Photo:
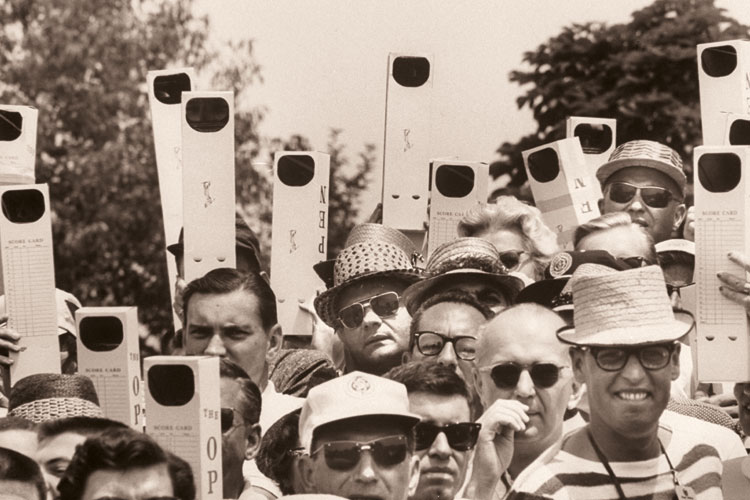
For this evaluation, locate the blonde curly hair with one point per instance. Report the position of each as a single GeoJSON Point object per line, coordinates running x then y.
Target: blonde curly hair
{"type": "Point", "coordinates": [508, 213]}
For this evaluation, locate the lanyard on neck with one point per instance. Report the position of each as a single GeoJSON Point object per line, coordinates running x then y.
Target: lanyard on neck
{"type": "Point", "coordinates": [680, 491]}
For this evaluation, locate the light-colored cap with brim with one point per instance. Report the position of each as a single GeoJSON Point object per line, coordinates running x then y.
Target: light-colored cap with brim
{"type": "Point", "coordinates": [676, 245]}
{"type": "Point", "coordinates": [372, 250]}
{"type": "Point", "coordinates": [642, 153]}
{"type": "Point", "coordinates": [353, 395]}
{"type": "Point", "coordinates": [462, 258]}
{"type": "Point", "coordinates": [621, 308]}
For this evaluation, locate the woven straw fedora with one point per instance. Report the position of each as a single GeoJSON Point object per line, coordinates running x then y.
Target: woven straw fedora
{"type": "Point", "coordinates": [50, 396]}
{"type": "Point", "coordinates": [370, 250]}
{"type": "Point", "coordinates": [622, 308]}
{"type": "Point", "coordinates": [461, 258]}
{"type": "Point", "coordinates": [649, 154]}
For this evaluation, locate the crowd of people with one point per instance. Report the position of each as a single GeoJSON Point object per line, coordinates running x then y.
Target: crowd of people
{"type": "Point", "coordinates": [500, 367]}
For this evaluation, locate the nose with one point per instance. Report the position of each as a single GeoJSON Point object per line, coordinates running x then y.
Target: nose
{"type": "Point", "coordinates": [636, 204]}
{"type": "Point", "coordinates": [633, 371]}
{"type": "Point", "coordinates": [440, 447]}
{"type": "Point", "coordinates": [676, 300]}
{"type": "Point", "coordinates": [371, 320]}
{"type": "Point", "coordinates": [365, 472]}
{"type": "Point", "coordinates": [447, 356]}
{"type": "Point", "coordinates": [215, 346]}
{"type": "Point", "coordinates": [525, 387]}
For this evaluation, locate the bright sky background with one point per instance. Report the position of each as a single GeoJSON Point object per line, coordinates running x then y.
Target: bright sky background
{"type": "Point", "coordinates": [324, 63]}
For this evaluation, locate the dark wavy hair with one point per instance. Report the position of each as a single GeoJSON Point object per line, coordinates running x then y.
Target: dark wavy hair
{"type": "Point", "coordinates": [16, 466]}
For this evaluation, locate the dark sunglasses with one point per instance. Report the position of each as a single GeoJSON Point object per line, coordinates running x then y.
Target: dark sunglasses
{"type": "Point", "coordinates": [461, 436]}
{"type": "Point", "coordinates": [653, 196]}
{"type": "Point", "coordinates": [651, 357]}
{"type": "Point", "coordinates": [432, 343]}
{"type": "Point", "coordinates": [384, 305]}
{"type": "Point", "coordinates": [344, 455]}
{"type": "Point", "coordinates": [227, 419]}
{"type": "Point", "coordinates": [635, 262]}
{"type": "Point", "coordinates": [507, 375]}
{"type": "Point", "coordinates": [511, 259]}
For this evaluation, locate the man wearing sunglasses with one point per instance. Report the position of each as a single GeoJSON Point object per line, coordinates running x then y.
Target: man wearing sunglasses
{"type": "Point", "coordinates": [646, 180]}
{"type": "Point", "coordinates": [446, 434]}
{"type": "Point", "coordinates": [240, 431]}
{"type": "Point", "coordinates": [358, 434]}
{"type": "Point", "coordinates": [364, 305]}
{"type": "Point", "coordinates": [524, 378]}
{"type": "Point", "coordinates": [625, 349]}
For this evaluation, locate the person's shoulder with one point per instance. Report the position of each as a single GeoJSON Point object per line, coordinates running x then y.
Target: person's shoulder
{"type": "Point", "coordinates": [541, 478]}
{"type": "Point", "coordinates": [690, 432]}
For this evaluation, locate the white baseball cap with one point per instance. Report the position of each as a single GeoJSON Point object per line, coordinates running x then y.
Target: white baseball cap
{"type": "Point", "coordinates": [355, 394]}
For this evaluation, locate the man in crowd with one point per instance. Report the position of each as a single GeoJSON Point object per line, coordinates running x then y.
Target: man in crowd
{"type": "Point", "coordinates": [615, 233]}
{"type": "Point", "coordinates": [524, 378]}
{"type": "Point", "coordinates": [446, 434]}
{"type": "Point", "coordinates": [20, 477]}
{"type": "Point", "coordinates": [625, 350]}
{"type": "Point", "coordinates": [58, 440]}
{"type": "Point", "coordinates": [445, 329]}
{"type": "Point", "coordinates": [240, 412]}
{"type": "Point", "coordinates": [357, 431]}
{"type": "Point", "coordinates": [646, 180]}
{"type": "Point", "coordinates": [365, 306]}
{"type": "Point", "coordinates": [123, 463]}
{"type": "Point", "coordinates": [232, 315]}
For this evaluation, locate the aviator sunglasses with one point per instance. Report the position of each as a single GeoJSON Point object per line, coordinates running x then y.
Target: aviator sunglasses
{"type": "Point", "coordinates": [461, 436]}
{"type": "Point", "coordinates": [507, 375]}
{"type": "Point", "coordinates": [227, 419]}
{"type": "Point", "coordinates": [384, 305]}
{"type": "Point", "coordinates": [344, 455]}
{"type": "Point", "coordinates": [653, 196]}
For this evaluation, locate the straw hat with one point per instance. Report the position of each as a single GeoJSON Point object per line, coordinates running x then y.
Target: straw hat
{"type": "Point", "coordinates": [622, 308]}
{"type": "Point", "coordinates": [553, 290]}
{"type": "Point", "coordinates": [462, 258]}
{"type": "Point", "coordinates": [50, 396]}
{"type": "Point", "coordinates": [371, 250]}
{"type": "Point", "coordinates": [649, 154]}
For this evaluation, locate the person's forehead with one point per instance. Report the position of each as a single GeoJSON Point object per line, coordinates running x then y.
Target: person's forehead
{"type": "Point", "coordinates": [644, 176]}
{"type": "Point", "coordinates": [365, 288]}
{"type": "Point", "coordinates": [526, 336]}
{"type": "Point", "coordinates": [361, 429]}
{"type": "Point", "coordinates": [225, 306]}
{"type": "Point", "coordinates": [438, 408]}
{"type": "Point", "coordinates": [61, 445]}
{"type": "Point", "coordinates": [449, 317]}
{"type": "Point", "coordinates": [153, 480]}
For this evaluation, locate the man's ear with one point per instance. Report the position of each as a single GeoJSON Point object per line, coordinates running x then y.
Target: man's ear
{"type": "Point", "coordinates": [679, 216]}
{"type": "Point", "coordinates": [252, 441]}
{"type": "Point", "coordinates": [674, 363]}
{"type": "Point", "coordinates": [600, 204]}
{"type": "Point", "coordinates": [413, 475]}
{"type": "Point", "coordinates": [579, 390]}
{"type": "Point", "coordinates": [274, 340]}
{"type": "Point", "coordinates": [577, 361]}
{"type": "Point", "coordinates": [305, 469]}
{"type": "Point", "coordinates": [405, 358]}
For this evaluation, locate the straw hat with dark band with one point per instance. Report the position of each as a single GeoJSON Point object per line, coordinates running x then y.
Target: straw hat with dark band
{"type": "Point", "coordinates": [50, 396]}
{"type": "Point", "coordinates": [648, 154]}
{"type": "Point", "coordinates": [371, 250]}
{"type": "Point", "coordinates": [622, 308]}
{"type": "Point", "coordinates": [462, 258]}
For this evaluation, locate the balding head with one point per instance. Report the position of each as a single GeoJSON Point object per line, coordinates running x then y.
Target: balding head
{"type": "Point", "coordinates": [525, 336]}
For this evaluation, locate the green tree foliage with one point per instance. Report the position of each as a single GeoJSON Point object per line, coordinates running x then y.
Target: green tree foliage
{"type": "Point", "coordinates": [643, 73]}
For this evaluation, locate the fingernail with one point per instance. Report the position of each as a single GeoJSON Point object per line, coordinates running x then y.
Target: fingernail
{"type": "Point", "coordinates": [22, 349]}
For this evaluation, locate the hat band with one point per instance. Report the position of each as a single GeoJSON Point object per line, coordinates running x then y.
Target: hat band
{"type": "Point", "coordinates": [41, 410]}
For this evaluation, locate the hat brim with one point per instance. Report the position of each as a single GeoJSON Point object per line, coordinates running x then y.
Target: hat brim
{"type": "Point", "coordinates": [643, 335]}
{"type": "Point", "coordinates": [606, 170]}
{"type": "Point", "coordinates": [409, 420]}
{"type": "Point", "coordinates": [417, 293]}
{"type": "Point", "coordinates": [542, 292]}
{"type": "Point", "coordinates": [325, 302]}
{"type": "Point", "coordinates": [176, 249]}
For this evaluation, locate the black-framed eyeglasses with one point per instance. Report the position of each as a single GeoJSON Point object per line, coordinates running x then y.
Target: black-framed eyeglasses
{"type": "Point", "coordinates": [651, 357]}
{"type": "Point", "coordinates": [635, 262]}
{"type": "Point", "coordinates": [296, 452]}
{"type": "Point", "coordinates": [653, 196]}
{"type": "Point", "coordinates": [507, 375]}
{"type": "Point", "coordinates": [228, 419]}
{"type": "Point", "coordinates": [344, 455]}
{"type": "Point", "coordinates": [461, 436]}
{"type": "Point", "coordinates": [384, 305]}
{"type": "Point", "coordinates": [511, 259]}
{"type": "Point", "coordinates": [432, 343]}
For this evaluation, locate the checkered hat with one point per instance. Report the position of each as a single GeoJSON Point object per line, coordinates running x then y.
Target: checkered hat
{"type": "Point", "coordinates": [648, 154]}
